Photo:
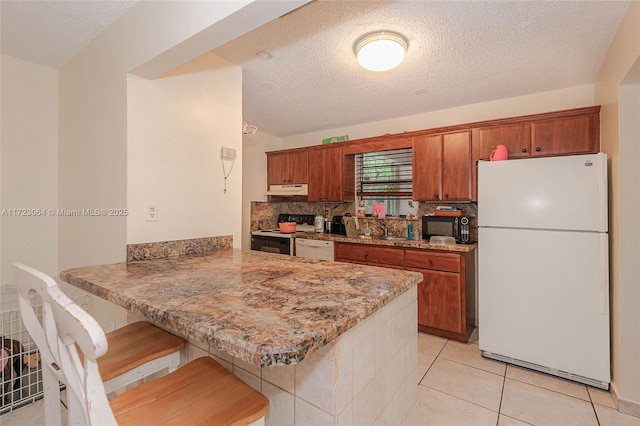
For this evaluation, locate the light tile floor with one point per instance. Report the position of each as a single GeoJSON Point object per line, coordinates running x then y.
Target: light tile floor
{"type": "Point", "coordinates": [458, 387]}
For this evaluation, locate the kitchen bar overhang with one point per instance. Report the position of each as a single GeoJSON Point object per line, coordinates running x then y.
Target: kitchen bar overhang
{"type": "Point", "coordinates": [262, 308]}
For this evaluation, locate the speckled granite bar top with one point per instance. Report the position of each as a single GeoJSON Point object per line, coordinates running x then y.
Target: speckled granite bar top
{"type": "Point", "coordinates": [419, 244]}
{"type": "Point", "coordinates": [264, 308]}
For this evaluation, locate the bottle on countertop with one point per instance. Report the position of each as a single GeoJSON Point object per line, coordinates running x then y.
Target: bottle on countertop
{"type": "Point", "coordinates": [318, 223]}
{"type": "Point", "coordinates": [410, 232]}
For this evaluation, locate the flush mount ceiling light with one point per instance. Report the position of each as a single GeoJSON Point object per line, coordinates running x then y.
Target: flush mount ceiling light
{"type": "Point", "coordinates": [264, 55]}
{"type": "Point", "coordinates": [381, 51]}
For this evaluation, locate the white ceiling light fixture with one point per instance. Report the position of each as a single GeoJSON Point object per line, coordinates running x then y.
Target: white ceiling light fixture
{"type": "Point", "coordinates": [264, 55]}
{"type": "Point", "coordinates": [381, 51]}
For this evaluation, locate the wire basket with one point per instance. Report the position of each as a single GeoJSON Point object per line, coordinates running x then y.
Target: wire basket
{"type": "Point", "coordinates": [21, 375]}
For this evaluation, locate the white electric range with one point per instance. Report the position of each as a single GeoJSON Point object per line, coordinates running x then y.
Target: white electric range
{"type": "Point", "coordinates": [274, 241]}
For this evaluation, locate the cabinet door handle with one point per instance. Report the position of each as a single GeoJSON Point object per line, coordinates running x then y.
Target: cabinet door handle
{"type": "Point", "coordinates": [366, 253]}
{"type": "Point", "coordinates": [446, 195]}
{"type": "Point", "coordinates": [524, 149]}
{"type": "Point", "coordinates": [537, 149]}
{"type": "Point", "coordinates": [430, 261]}
{"type": "Point", "coordinates": [436, 196]}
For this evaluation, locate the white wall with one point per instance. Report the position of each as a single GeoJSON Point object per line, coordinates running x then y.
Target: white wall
{"type": "Point", "coordinates": [572, 97]}
{"type": "Point", "coordinates": [153, 37]}
{"type": "Point", "coordinates": [630, 243]}
{"type": "Point", "coordinates": [93, 119]}
{"type": "Point", "coordinates": [254, 182]}
{"type": "Point", "coordinates": [28, 166]}
{"type": "Point", "coordinates": [1, 204]}
{"type": "Point", "coordinates": [616, 76]}
{"type": "Point", "coordinates": [93, 115]}
{"type": "Point", "coordinates": [177, 125]}
{"type": "Point", "coordinates": [93, 164]}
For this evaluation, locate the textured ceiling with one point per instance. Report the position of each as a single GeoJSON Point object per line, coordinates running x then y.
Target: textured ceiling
{"type": "Point", "coordinates": [459, 53]}
{"type": "Point", "coordinates": [52, 32]}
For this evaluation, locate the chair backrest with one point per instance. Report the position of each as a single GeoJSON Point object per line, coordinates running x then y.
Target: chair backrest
{"type": "Point", "coordinates": [63, 326]}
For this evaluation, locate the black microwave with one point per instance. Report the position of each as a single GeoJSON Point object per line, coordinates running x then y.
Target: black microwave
{"type": "Point", "coordinates": [448, 226]}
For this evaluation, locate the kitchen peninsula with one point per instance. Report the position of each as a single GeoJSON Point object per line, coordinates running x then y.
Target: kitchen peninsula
{"type": "Point", "coordinates": [327, 343]}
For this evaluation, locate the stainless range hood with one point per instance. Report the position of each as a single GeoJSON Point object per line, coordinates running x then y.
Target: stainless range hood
{"type": "Point", "coordinates": [289, 190]}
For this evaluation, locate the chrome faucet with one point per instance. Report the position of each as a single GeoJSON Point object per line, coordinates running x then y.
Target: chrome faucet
{"type": "Point", "coordinates": [384, 227]}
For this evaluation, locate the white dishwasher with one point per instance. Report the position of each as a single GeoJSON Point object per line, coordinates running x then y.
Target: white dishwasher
{"type": "Point", "coordinates": [314, 249]}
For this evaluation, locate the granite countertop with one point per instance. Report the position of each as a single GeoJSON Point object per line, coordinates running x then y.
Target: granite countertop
{"type": "Point", "coordinates": [266, 309]}
{"type": "Point", "coordinates": [419, 244]}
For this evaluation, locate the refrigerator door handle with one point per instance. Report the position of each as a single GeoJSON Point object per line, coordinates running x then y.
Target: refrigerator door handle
{"type": "Point", "coordinates": [604, 274]}
{"type": "Point", "coordinates": [603, 195]}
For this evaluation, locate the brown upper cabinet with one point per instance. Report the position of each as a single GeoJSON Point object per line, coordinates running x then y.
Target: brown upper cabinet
{"type": "Point", "coordinates": [516, 137]}
{"type": "Point", "coordinates": [554, 136]}
{"type": "Point", "coordinates": [568, 135]}
{"type": "Point", "coordinates": [327, 174]}
{"type": "Point", "coordinates": [287, 167]}
{"type": "Point", "coordinates": [575, 131]}
{"type": "Point", "coordinates": [442, 167]}
{"type": "Point", "coordinates": [444, 159]}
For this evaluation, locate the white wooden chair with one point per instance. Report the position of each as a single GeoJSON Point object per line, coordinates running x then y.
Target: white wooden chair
{"type": "Point", "coordinates": [136, 350]}
{"type": "Point", "coordinates": [201, 392]}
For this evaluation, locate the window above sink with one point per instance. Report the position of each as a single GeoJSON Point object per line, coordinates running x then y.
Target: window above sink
{"type": "Point", "coordinates": [386, 177]}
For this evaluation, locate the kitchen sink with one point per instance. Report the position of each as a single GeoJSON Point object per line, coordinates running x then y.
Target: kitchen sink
{"type": "Point", "coordinates": [381, 237]}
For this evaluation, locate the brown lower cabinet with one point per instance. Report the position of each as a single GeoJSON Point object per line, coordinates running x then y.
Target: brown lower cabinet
{"type": "Point", "coordinates": [446, 296]}
{"type": "Point", "coordinates": [369, 254]}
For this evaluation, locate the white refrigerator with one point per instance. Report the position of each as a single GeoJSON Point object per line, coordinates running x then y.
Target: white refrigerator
{"type": "Point", "coordinates": [543, 265]}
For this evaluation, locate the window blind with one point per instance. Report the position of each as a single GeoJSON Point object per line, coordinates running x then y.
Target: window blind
{"type": "Point", "coordinates": [385, 173]}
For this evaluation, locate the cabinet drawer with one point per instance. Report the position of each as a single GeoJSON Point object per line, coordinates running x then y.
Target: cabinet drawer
{"type": "Point", "coordinates": [425, 259]}
{"type": "Point", "coordinates": [367, 253]}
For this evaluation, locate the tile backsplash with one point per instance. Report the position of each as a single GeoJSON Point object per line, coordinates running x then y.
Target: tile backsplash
{"type": "Point", "coordinates": [264, 215]}
{"type": "Point", "coordinates": [160, 249]}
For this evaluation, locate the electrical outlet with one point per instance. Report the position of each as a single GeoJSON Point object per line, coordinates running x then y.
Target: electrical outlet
{"type": "Point", "coordinates": [228, 153]}
{"type": "Point", "coordinates": [151, 212]}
